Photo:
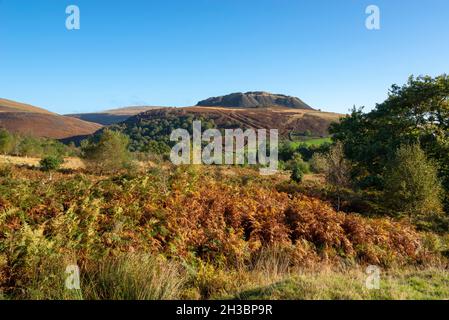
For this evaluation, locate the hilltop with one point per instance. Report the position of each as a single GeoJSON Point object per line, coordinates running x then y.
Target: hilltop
{"type": "Point", "coordinates": [255, 99]}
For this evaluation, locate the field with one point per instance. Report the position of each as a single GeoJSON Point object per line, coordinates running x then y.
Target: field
{"type": "Point", "coordinates": [312, 141]}
{"type": "Point", "coordinates": [194, 232]}
{"type": "Point", "coordinates": [71, 163]}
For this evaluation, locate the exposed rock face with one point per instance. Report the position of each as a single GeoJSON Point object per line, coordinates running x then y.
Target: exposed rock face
{"type": "Point", "coordinates": [257, 99]}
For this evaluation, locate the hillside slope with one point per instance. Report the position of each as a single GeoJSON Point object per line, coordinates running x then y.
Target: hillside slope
{"type": "Point", "coordinates": [112, 116]}
{"type": "Point", "coordinates": [157, 125]}
{"type": "Point", "coordinates": [30, 120]}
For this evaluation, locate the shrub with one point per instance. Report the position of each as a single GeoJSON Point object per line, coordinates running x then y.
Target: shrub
{"type": "Point", "coordinates": [51, 163]}
{"type": "Point", "coordinates": [297, 174]}
{"type": "Point", "coordinates": [412, 186]}
{"type": "Point", "coordinates": [318, 163]}
{"type": "Point", "coordinates": [110, 154]}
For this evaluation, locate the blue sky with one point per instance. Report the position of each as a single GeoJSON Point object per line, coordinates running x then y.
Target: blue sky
{"type": "Point", "coordinates": [175, 53]}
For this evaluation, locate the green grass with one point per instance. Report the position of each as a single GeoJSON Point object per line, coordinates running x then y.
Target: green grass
{"type": "Point", "coordinates": [312, 142]}
{"type": "Point", "coordinates": [430, 284]}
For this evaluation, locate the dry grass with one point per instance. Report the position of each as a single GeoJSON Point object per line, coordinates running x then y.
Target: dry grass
{"type": "Point", "coordinates": [72, 163]}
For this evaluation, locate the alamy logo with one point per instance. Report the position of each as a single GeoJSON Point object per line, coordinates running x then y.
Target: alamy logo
{"type": "Point", "coordinates": [72, 282]}
{"type": "Point", "coordinates": [189, 150]}
{"type": "Point", "coordinates": [73, 20]}
{"type": "Point", "coordinates": [372, 22]}
{"type": "Point", "coordinates": [372, 281]}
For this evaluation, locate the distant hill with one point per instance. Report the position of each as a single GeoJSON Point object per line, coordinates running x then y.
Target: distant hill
{"type": "Point", "coordinates": [112, 116]}
{"type": "Point", "coordinates": [30, 120]}
{"type": "Point", "coordinates": [256, 99]}
{"type": "Point", "coordinates": [13, 106]}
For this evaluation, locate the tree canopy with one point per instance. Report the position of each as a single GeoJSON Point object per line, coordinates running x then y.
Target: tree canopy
{"type": "Point", "coordinates": [415, 113]}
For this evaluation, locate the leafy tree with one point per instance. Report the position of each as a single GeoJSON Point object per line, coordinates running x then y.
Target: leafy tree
{"type": "Point", "coordinates": [5, 141]}
{"type": "Point", "coordinates": [415, 113]}
{"type": "Point", "coordinates": [110, 153]}
{"type": "Point", "coordinates": [412, 186]}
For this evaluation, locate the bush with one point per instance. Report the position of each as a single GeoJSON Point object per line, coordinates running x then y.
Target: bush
{"type": "Point", "coordinates": [51, 163]}
{"type": "Point", "coordinates": [412, 186]}
{"type": "Point", "coordinates": [110, 154]}
{"type": "Point", "coordinates": [318, 163]}
{"type": "Point", "coordinates": [297, 174]}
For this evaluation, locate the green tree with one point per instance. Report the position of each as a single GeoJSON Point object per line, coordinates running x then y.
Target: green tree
{"type": "Point", "coordinates": [5, 141]}
{"type": "Point", "coordinates": [110, 153]}
{"type": "Point", "coordinates": [415, 113]}
{"type": "Point", "coordinates": [412, 186]}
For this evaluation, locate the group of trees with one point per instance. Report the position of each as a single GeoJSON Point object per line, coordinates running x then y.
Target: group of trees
{"type": "Point", "coordinates": [401, 147]}
{"type": "Point", "coordinates": [28, 146]}
{"type": "Point", "coordinates": [105, 153]}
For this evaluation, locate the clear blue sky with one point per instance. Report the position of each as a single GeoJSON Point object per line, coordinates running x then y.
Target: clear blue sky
{"type": "Point", "coordinates": [166, 52]}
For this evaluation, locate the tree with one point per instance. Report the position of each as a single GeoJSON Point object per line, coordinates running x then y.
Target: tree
{"type": "Point", "coordinates": [318, 163]}
{"type": "Point", "coordinates": [51, 163]}
{"type": "Point", "coordinates": [110, 153]}
{"type": "Point", "coordinates": [412, 186]}
{"type": "Point", "coordinates": [5, 141]}
{"type": "Point", "coordinates": [337, 171]}
{"type": "Point", "coordinates": [415, 113]}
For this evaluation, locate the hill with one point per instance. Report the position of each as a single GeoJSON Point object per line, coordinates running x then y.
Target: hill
{"type": "Point", "coordinates": [158, 124]}
{"type": "Point", "coordinates": [256, 99]}
{"type": "Point", "coordinates": [112, 116]}
{"type": "Point", "coordinates": [30, 120]}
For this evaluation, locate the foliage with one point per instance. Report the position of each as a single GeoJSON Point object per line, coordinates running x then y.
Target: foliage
{"type": "Point", "coordinates": [112, 226]}
{"type": "Point", "coordinates": [297, 174]}
{"type": "Point", "coordinates": [412, 186]}
{"type": "Point", "coordinates": [109, 154]}
{"type": "Point", "coordinates": [51, 163]}
{"type": "Point", "coordinates": [5, 141]}
{"type": "Point", "coordinates": [153, 134]}
{"type": "Point", "coordinates": [417, 112]}
{"type": "Point", "coordinates": [318, 163]}
{"type": "Point", "coordinates": [18, 145]}
{"type": "Point", "coordinates": [288, 150]}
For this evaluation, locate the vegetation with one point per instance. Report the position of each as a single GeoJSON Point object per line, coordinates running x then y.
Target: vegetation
{"type": "Point", "coordinates": [378, 196]}
{"type": "Point", "coordinates": [51, 163]}
{"type": "Point", "coordinates": [297, 174]}
{"type": "Point", "coordinates": [109, 154]}
{"type": "Point", "coordinates": [412, 186]}
{"type": "Point", "coordinates": [416, 113]}
{"type": "Point", "coordinates": [153, 134]}
{"type": "Point", "coordinates": [203, 237]}
{"type": "Point", "coordinates": [28, 146]}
